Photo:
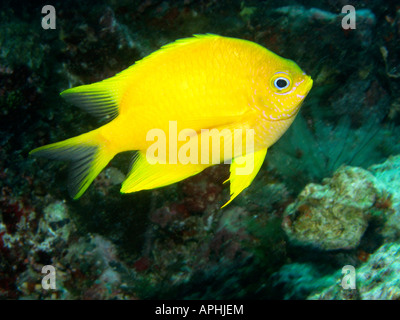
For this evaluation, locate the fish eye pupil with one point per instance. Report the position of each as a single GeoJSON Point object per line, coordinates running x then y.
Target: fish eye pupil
{"type": "Point", "coordinates": [281, 83]}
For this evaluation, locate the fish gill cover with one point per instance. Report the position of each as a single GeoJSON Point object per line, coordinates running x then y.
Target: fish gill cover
{"type": "Point", "coordinates": [325, 197]}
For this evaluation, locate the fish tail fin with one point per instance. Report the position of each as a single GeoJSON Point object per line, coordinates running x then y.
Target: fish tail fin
{"type": "Point", "coordinates": [88, 153]}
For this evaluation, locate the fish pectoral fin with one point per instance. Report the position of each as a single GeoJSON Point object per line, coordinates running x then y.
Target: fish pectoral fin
{"type": "Point", "coordinates": [145, 175]}
{"type": "Point", "coordinates": [243, 171]}
{"type": "Point", "coordinates": [212, 122]}
{"type": "Point", "coordinates": [218, 121]}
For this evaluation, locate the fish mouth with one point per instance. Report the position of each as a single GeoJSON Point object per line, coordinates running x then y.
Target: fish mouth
{"type": "Point", "coordinates": [307, 89]}
{"type": "Point", "coordinates": [308, 85]}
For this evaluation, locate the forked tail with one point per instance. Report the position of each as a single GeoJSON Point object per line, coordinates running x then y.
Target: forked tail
{"type": "Point", "coordinates": [89, 155]}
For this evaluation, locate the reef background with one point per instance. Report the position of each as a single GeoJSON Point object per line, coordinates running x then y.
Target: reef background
{"type": "Point", "coordinates": [327, 195]}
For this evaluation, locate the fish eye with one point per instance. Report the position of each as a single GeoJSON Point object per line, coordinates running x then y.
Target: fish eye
{"type": "Point", "coordinates": [281, 83]}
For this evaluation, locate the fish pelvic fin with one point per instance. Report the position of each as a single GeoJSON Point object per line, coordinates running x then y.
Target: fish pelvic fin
{"type": "Point", "coordinates": [88, 154]}
{"type": "Point", "coordinates": [243, 171]}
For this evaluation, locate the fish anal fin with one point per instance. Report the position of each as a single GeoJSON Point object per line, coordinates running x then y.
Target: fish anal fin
{"type": "Point", "coordinates": [243, 171]}
{"type": "Point", "coordinates": [145, 175]}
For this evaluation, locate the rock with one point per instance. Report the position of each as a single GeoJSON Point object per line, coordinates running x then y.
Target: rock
{"type": "Point", "coordinates": [333, 215]}
{"type": "Point", "coordinates": [377, 279]}
{"type": "Point", "coordinates": [388, 175]}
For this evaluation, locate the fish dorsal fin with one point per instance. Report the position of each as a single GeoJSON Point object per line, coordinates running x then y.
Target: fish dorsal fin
{"type": "Point", "coordinates": [186, 41]}
{"type": "Point", "coordinates": [243, 171]}
{"type": "Point", "coordinates": [167, 48]}
{"type": "Point", "coordinates": [101, 99]}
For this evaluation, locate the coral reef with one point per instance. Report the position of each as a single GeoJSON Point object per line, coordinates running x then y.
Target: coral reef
{"type": "Point", "coordinates": [368, 238]}
{"type": "Point", "coordinates": [377, 279]}
{"type": "Point", "coordinates": [305, 155]}
{"type": "Point", "coordinates": [327, 196]}
{"type": "Point", "coordinates": [297, 280]}
{"type": "Point", "coordinates": [388, 175]}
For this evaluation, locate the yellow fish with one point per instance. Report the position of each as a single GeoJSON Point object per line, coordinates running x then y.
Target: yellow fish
{"type": "Point", "coordinates": [171, 104]}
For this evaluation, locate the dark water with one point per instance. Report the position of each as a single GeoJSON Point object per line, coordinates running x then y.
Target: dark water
{"type": "Point", "coordinates": [282, 238]}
